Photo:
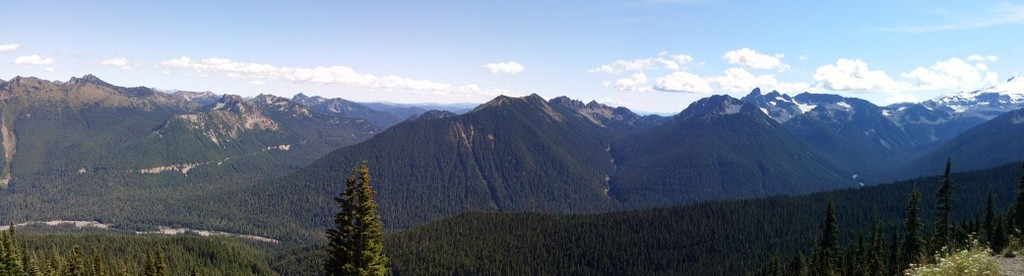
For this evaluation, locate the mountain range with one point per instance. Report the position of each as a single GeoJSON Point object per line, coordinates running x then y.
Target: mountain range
{"type": "Point", "coordinates": [111, 151]}
{"type": "Point", "coordinates": [267, 164]}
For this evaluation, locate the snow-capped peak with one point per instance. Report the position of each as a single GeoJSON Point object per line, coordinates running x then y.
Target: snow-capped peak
{"type": "Point", "coordinates": [984, 103]}
{"type": "Point", "coordinates": [1014, 87]}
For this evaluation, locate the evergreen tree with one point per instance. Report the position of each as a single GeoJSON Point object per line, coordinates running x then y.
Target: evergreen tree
{"type": "Point", "coordinates": [356, 243]}
{"type": "Point", "coordinates": [876, 265]}
{"type": "Point", "coordinates": [10, 264]}
{"type": "Point", "coordinates": [57, 265]}
{"type": "Point", "coordinates": [150, 265]}
{"type": "Point", "coordinates": [161, 263]}
{"type": "Point", "coordinates": [1020, 200]}
{"type": "Point", "coordinates": [913, 244]}
{"type": "Point", "coordinates": [855, 258]}
{"type": "Point", "coordinates": [894, 254]}
{"type": "Point", "coordinates": [774, 267]}
{"type": "Point", "coordinates": [990, 220]}
{"type": "Point", "coordinates": [76, 265]}
{"type": "Point", "coordinates": [798, 266]}
{"type": "Point", "coordinates": [943, 212]}
{"type": "Point", "coordinates": [999, 240]}
{"type": "Point", "coordinates": [31, 267]}
{"type": "Point", "coordinates": [98, 269]}
{"type": "Point", "coordinates": [827, 260]}
{"type": "Point", "coordinates": [1011, 222]}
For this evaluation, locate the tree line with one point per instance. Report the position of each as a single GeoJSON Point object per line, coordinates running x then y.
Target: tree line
{"type": "Point", "coordinates": [872, 254]}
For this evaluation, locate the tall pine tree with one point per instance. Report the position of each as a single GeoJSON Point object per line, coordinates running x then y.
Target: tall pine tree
{"type": "Point", "coordinates": [913, 244]}
{"type": "Point", "coordinates": [1020, 201]}
{"type": "Point", "coordinates": [876, 255]}
{"type": "Point", "coordinates": [894, 265]}
{"type": "Point", "coordinates": [827, 260]}
{"type": "Point", "coordinates": [943, 212]}
{"type": "Point", "coordinates": [990, 219]}
{"type": "Point", "coordinates": [356, 243]}
{"type": "Point", "coordinates": [798, 266]}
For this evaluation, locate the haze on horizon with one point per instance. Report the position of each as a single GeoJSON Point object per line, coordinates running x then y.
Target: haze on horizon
{"type": "Point", "coordinates": [654, 56]}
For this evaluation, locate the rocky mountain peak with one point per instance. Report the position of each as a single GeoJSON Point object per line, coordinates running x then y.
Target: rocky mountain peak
{"type": "Point", "coordinates": [717, 104]}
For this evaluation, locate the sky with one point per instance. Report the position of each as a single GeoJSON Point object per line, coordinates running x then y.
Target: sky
{"type": "Point", "coordinates": [648, 55]}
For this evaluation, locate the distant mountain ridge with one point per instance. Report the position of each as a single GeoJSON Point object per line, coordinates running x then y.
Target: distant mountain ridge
{"type": "Point", "coordinates": [561, 155]}
{"type": "Point", "coordinates": [871, 139]}
{"type": "Point", "coordinates": [212, 156]}
{"type": "Point", "coordinates": [995, 142]}
{"type": "Point", "coordinates": [717, 148]}
{"type": "Point", "coordinates": [67, 145]}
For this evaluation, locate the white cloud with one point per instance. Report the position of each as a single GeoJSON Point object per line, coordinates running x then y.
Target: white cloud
{"type": "Point", "coordinates": [332, 75]}
{"type": "Point", "coordinates": [683, 82]}
{"type": "Point", "coordinates": [182, 62]}
{"type": "Point", "coordinates": [509, 67]}
{"type": "Point", "coordinates": [9, 47]}
{"type": "Point", "coordinates": [950, 74]}
{"type": "Point", "coordinates": [117, 62]}
{"type": "Point", "coordinates": [982, 58]}
{"type": "Point", "coordinates": [49, 69]}
{"type": "Point", "coordinates": [739, 80]}
{"type": "Point", "coordinates": [991, 77]}
{"type": "Point", "coordinates": [257, 82]}
{"type": "Point", "coordinates": [636, 82]}
{"type": "Point", "coordinates": [753, 59]}
{"type": "Point", "coordinates": [854, 75]}
{"type": "Point", "coordinates": [664, 60]}
{"type": "Point", "coordinates": [33, 60]}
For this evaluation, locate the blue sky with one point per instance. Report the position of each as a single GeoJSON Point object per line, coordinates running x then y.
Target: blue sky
{"type": "Point", "coordinates": [647, 55]}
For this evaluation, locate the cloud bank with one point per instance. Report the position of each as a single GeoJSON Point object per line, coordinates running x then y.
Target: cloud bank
{"type": "Point", "coordinates": [33, 60]}
{"type": "Point", "coordinates": [327, 75]}
{"type": "Point", "coordinates": [509, 67]}
{"type": "Point", "coordinates": [4, 48]}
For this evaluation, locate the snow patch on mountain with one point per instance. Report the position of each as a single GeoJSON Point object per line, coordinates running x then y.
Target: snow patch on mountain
{"type": "Point", "coordinates": [844, 105]}
{"type": "Point", "coordinates": [806, 107]}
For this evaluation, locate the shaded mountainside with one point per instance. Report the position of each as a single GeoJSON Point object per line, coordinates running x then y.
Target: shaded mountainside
{"type": "Point", "coordinates": [711, 238]}
{"type": "Point", "coordinates": [511, 154]}
{"type": "Point", "coordinates": [731, 150]}
{"type": "Point", "coordinates": [526, 154]}
{"type": "Point", "coordinates": [998, 141]}
{"type": "Point", "coordinates": [853, 132]}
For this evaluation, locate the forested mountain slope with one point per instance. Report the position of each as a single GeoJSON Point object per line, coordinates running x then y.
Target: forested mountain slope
{"type": "Point", "coordinates": [527, 154]}
{"type": "Point", "coordinates": [86, 149]}
{"type": "Point", "coordinates": [510, 154]}
{"type": "Point", "coordinates": [711, 238]}
{"type": "Point", "coordinates": [718, 148]}
{"type": "Point", "coordinates": [997, 141]}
